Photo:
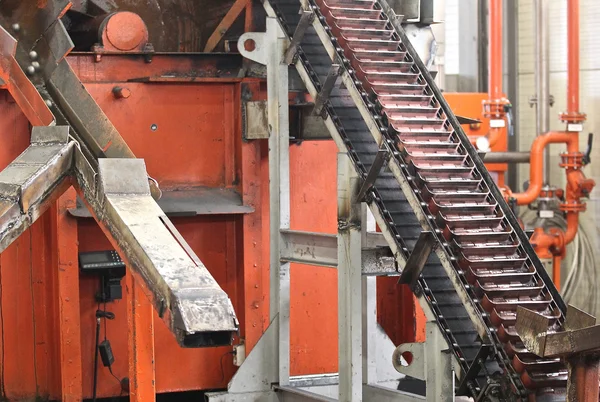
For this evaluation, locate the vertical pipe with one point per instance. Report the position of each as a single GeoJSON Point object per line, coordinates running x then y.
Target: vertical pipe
{"type": "Point", "coordinates": [573, 57]}
{"type": "Point", "coordinates": [542, 75]}
{"type": "Point", "coordinates": [495, 26]}
{"type": "Point", "coordinates": [512, 46]}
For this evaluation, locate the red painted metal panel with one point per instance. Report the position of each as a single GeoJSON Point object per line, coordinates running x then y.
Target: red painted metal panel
{"type": "Point", "coordinates": [197, 141]}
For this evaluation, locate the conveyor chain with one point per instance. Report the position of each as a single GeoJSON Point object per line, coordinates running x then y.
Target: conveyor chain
{"type": "Point", "coordinates": [484, 266]}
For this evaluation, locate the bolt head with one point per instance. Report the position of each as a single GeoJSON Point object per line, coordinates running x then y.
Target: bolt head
{"type": "Point", "coordinates": [33, 55]}
{"type": "Point", "coordinates": [48, 103]}
{"type": "Point", "coordinates": [16, 27]}
{"type": "Point", "coordinates": [35, 65]}
{"type": "Point", "coordinates": [30, 70]}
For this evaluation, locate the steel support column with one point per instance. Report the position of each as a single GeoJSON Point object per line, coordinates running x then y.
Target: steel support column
{"type": "Point", "coordinates": [279, 188]}
{"type": "Point", "coordinates": [269, 49]}
{"type": "Point", "coordinates": [349, 283]}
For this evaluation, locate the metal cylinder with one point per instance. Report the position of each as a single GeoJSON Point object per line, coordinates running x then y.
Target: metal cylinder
{"type": "Point", "coordinates": [573, 57]}
{"type": "Point", "coordinates": [542, 74]}
{"type": "Point", "coordinates": [496, 49]}
{"type": "Point", "coordinates": [506, 157]}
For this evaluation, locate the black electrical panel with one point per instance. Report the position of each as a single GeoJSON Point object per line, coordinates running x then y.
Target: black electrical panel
{"type": "Point", "coordinates": [107, 265]}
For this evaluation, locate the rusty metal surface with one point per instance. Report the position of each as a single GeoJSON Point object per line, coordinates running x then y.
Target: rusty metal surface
{"type": "Point", "coordinates": [22, 90]}
{"type": "Point", "coordinates": [118, 191]}
{"type": "Point", "coordinates": [192, 202]}
{"type": "Point", "coordinates": [581, 334]}
{"type": "Point", "coordinates": [31, 181]}
{"type": "Point", "coordinates": [181, 289]}
{"type": "Point", "coordinates": [578, 346]}
{"type": "Point", "coordinates": [173, 25]}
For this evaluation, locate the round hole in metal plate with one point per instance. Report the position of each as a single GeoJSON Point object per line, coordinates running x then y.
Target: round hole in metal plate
{"type": "Point", "coordinates": [249, 45]}
{"type": "Point", "coordinates": [408, 358]}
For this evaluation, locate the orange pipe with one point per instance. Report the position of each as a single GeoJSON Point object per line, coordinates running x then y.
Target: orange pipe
{"type": "Point", "coordinates": [556, 270]}
{"type": "Point", "coordinates": [494, 106]}
{"type": "Point", "coordinates": [573, 57]}
{"type": "Point", "coordinates": [495, 25]}
{"type": "Point", "coordinates": [536, 171]}
{"type": "Point", "coordinates": [572, 226]}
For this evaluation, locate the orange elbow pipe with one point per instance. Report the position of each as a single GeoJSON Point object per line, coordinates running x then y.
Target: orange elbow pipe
{"type": "Point", "coordinates": [536, 174]}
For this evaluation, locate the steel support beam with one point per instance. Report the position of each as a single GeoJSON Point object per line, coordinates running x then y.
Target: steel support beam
{"type": "Point", "coordinates": [269, 49]}
{"type": "Point", "coordinates": [349, 282]}
{"type": "Point", "coordinates": [321, 249]}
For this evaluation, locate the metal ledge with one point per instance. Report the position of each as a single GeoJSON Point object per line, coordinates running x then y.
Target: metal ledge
{"type": "Point", "coordinates": [191, 202]}
{"type": "Point", "coordinates": [321, 249]}
{"type": "Point", "coordinates": [31, 181]}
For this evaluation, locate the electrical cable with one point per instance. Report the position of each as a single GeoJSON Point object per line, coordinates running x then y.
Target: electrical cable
{"type": "Point", "coordinates": [221, 363]}
{"type": "Point", "coordinates": [107, 315]}
{"type": "Point", "coordinates": [96, 351]}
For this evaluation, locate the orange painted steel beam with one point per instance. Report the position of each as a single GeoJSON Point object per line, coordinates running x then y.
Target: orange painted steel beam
{"type": "Point", "coordinates": [256, 308]}
{"type": "Point", "coordinates": [140, 319]}
{"type": "Point", "coordinates": [66, 261]}
{"type": "Point", "coordinates": [232, 15]}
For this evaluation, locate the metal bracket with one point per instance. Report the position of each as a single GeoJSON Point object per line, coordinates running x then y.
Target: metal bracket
{"type": "Point", "coordinates": [323, 96]}
{"type": "Point", "coordinates": [416, 262]}
{"type": "Point", "coordinates": [474, 369]}
{"type": "Point", "coordinates": [382, 157]}
{"type": "Point", "coordinates": [292, 51]}
{"type": "Point", "coordinates": [431, 362]}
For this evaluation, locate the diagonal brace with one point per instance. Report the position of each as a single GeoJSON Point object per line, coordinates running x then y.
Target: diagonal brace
{"type": "Point", "coordinates": [416, 262]}
{"type": "Point", "coordinates": [323, 96]}
{"type": "Point", "coordinates": [305, 21]}
{"type": "Point", "coordinates": [382, 157]}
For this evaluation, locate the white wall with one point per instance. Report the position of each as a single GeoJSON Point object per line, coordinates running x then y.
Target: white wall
{"type": "Point", "coordinates": [589, 90]}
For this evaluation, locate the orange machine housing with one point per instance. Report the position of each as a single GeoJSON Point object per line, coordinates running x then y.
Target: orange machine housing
{"type": "Point", "coordinates": [189, 131]}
